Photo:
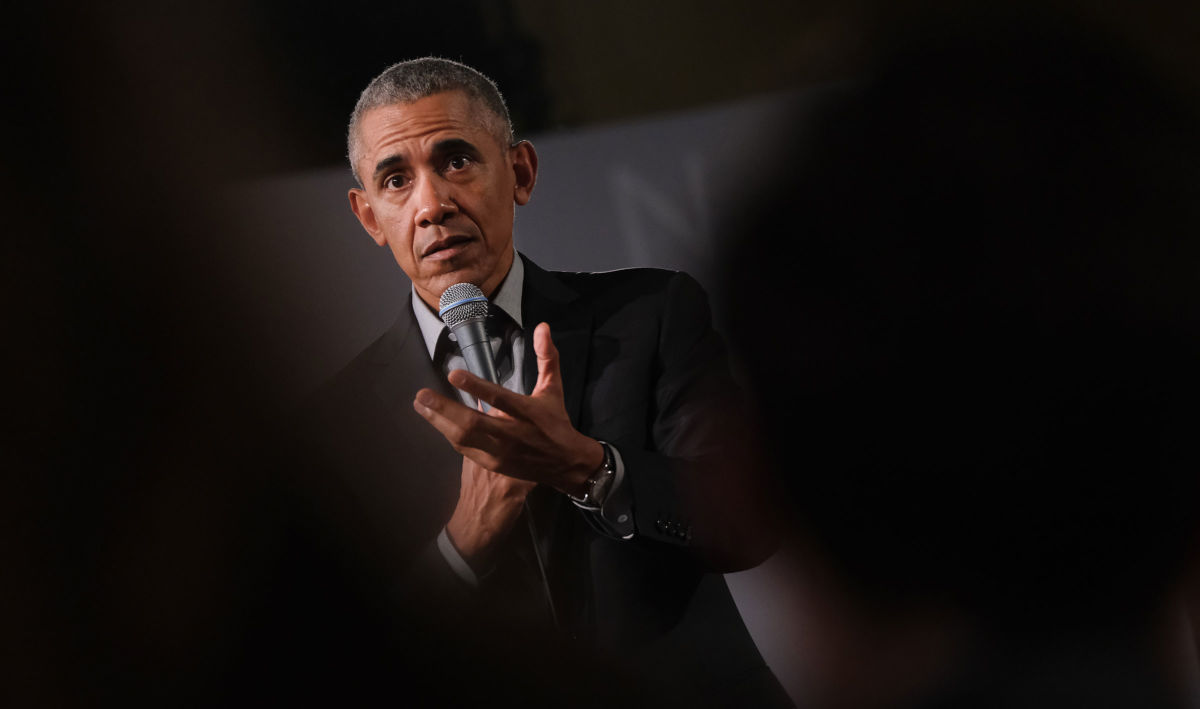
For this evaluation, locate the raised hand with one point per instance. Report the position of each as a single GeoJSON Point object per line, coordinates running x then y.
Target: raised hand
{"type": "Point", "coordinates": [526, 437]}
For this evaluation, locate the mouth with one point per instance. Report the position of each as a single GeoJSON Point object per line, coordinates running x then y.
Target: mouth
{"type": "Point", "coordinates": [446, 247]}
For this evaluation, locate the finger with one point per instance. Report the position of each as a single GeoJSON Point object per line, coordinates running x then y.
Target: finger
{"type": "Point", "coordinates": [496, 396]}
{"type": "Point", "coordinates": [461, 426]}
{"type": "Point", "coordinates": [549, 375]}
{"type": "Point", "coordinates": [481, 462]}
{"type": "Point", "coordinates": [473, 471]}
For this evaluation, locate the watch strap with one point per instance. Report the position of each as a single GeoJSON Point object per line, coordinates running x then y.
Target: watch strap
{"type": "Point", "coordinates": [598, 483]}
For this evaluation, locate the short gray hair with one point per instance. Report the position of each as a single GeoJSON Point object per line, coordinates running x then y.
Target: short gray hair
{"type": "Point", "coordinates": [415, 79]}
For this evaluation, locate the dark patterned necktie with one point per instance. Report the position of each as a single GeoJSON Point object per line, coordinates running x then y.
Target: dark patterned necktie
{"type": "Point", "coordinates": [501, 332]}
{"type": "Point", "coordinates": [519, 587]}
{"type": "Point", "coordinates": [529, 543]}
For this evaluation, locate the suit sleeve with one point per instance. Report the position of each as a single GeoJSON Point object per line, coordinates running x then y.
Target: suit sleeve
{"type": "Point", "coordinates": [432, 576]}
{"type": "Point", "coordinates": [691, 483]}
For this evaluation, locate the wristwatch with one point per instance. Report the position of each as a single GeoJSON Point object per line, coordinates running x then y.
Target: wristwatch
{"type": "Point", "coordinates": [598, 483]}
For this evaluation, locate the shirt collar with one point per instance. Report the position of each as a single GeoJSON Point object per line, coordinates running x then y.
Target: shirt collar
{"type": "Point", "coordinates": [508, 299]}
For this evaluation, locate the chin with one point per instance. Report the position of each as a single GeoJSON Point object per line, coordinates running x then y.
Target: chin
{"type": "Point", "coordinates": [440, 283]}
{"type": "Point", "coordinates": [471, 272]}
{"type": "Point", "coordinates": [474, 273]}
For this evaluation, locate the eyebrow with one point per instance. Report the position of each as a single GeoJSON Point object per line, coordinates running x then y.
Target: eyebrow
{"type": "Point", "coordinates": [455, 145]}
{"type": "Point", "coordinates": [386, 164]}
{"type": "Point", "coordinates": [440, 148]}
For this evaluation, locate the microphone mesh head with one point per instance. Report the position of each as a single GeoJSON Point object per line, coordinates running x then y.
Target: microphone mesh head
{"type": "Point", "coordinates": [464, 311]}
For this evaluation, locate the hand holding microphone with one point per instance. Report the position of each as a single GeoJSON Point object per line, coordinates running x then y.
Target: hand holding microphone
{"type": "Point", "coordinates": [464, 309]}
{"type": "Point", "coordinates": [488, 503]}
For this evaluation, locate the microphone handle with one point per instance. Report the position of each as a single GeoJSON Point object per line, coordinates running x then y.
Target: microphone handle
{"type": "Point", "coordinates": [476, 349]}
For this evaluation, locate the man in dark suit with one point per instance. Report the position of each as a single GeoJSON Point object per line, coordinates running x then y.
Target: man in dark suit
{"type": "Point", "coordinates": [612, 475]}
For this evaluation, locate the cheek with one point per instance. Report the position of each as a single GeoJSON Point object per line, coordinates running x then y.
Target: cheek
{"type": "Point", "coordinates": [401, 246]}
{"type": "Point", "coordinates": [500, 217]}
{"type": "Point", "coordinates": [398, 229]}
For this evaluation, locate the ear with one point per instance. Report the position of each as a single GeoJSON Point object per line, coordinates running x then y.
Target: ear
{"type": "Point", "coordinates": [524, 164]}
{"type": "Point", "coordinates": [366, 215]}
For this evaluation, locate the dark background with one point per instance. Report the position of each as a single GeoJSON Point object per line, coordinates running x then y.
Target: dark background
{"type": "Point", "coordinates": [135, 382]}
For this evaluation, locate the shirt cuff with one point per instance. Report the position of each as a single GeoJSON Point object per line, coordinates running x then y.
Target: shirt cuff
{"type": "Point", "coordinates": [615, 516]}
{"type": "Point", "coordinates": [455, 560]}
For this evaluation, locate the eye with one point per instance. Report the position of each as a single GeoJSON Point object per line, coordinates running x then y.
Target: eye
{"type": "Point", "coordinates": [395, 182]}
{"type": "Point", "coordinates": [458, 162]}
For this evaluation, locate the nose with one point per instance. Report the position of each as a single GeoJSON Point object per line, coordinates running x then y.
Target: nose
{"type": "Point", "coordinates": [434, 202]}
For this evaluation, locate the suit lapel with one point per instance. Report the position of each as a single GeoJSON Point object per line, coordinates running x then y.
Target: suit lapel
{"type": "Point", "coordinates": [404, 364]}
{"type": "Point", "coordinates": [404, 367]}
{"type": "Point", "coordinates": [547, 299]}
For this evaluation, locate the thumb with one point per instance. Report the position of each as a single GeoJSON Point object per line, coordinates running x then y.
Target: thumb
{"type": "Point", "coordinates": [549, 376]}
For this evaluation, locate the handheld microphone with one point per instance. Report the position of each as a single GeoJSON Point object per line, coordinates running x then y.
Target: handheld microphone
{"type": "Point", "coordinates": [464, 309]}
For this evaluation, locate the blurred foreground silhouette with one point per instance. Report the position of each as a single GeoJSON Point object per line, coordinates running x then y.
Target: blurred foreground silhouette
{"type": "Point", "coordinates": [985, 257]}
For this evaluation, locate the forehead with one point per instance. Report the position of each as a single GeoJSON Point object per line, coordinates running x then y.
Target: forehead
{"type": "Point", "coordinates": [403, 127]}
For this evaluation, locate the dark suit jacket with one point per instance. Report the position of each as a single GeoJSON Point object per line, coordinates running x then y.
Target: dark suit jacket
{"type": "Point", "coordinates": [643, 370]}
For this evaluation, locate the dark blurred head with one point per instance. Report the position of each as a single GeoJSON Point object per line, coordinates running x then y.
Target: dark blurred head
{"type": "Point", "coordinates": [990, 263]}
